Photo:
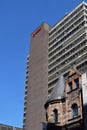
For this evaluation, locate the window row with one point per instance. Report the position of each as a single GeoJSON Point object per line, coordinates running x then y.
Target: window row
{"type": "Point", "coordinates": [52, 83]}
{"type": "Point", "coordinates": [66, 19]}
{"type": "Point", "coordinates": [66, 48]}
{"type": "Point", "coordinates": [74, 111]}
{"type": "Point", "coordinates": [55, 73]}
{"type": "Point", "coordinates": [69, 26]}
{"type": "Point", "coordinates": [63, 34]}
{"type": "Point", "coordinates": [72, 32]}
{"type": "Point", "coordinates": [86, 6]}
{"type": "Point", "coordinates": [83, 65]}
{"type": "Point", "coordinates": [68, 56]}
{"type": "Point", "coordinates": [68, 40]}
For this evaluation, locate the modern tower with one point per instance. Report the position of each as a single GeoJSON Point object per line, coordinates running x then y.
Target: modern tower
{"type": "Point", "coordinates": [68, 44]}
{"type": "Point", "coordinates": [26, 90]}
{"type": "Point", "coordinates": [36, 79]}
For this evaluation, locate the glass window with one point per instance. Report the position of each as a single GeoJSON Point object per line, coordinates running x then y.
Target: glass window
{"type": "Point", "coordinates": [46, 116]}
{"type": "Point", "coordinates": [44, 126]}
{"type": "Point", "coordinates": [76, 83]}
{"type": "Point", "coordinates": [55, 115]}
{"type": "Point", "coordinates": [70, 86]}
{"type": "Point", "coordinates": [75, 110]}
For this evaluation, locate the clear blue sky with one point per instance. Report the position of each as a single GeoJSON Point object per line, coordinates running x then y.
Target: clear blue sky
{"type": "Point", "coordinates": [18, 18]}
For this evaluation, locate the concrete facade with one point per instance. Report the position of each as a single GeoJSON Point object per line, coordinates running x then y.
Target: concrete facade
{"type": "Point", "coordinates": [37, 83]}
{"type": "Point", "coordinates": [68, 44]}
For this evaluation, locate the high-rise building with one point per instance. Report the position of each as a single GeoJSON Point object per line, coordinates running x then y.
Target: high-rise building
{"type": "Point", "coordinates": [26, 89]}
{"type": "Point", "coordinates": [36, 79]}
{"type": "Point", "coordinates": [68, 44]}
{"type": "Point", "coordinates": [53, 51]}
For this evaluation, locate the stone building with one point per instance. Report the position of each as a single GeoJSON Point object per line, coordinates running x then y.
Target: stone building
{"type": "Point", "coordinates": [65, 105]}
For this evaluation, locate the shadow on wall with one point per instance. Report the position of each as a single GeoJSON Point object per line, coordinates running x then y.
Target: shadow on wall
{"type": "Point", "coordinates": [85, 116]}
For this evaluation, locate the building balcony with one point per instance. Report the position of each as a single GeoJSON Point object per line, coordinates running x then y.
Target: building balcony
{"type": "Point", "coordinates": [67, 62]}
{"type": "Point", "coordinates": [63, 23]}
{"type": "Point", "coordinates": [62, 34]}
{"type": "Point", "coordinates": [55, 37]}
{"type": "Point", "coordinates": [77, 63]}
{"type": "Point", "coordinates": [64, 47]}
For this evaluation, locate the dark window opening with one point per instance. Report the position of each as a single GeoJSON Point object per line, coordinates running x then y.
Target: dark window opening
{"type": "Point", "coordinates": [76, 83]}
{"type": "Point", "coordinates": [70, 86]}
{"type": "Point", "coordinates": [74, 110]}
{"type": "Point", "coordinates": [46, 116]}
{"type": "Point", "coordinates": [55, 115]}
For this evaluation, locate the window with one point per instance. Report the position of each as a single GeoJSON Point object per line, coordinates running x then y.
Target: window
{"type": "Point", "coordinates": [44, 126]}
{"type": "Point", "coordinates": [70, 86]}
{"type": "Point", "coordinates": [76, 83]}
{"type": "Point", "coordinates": [74, 110]}
{"type": "Point", "coordinates": [55, 115]}
{"type": "Point", "coordinates": [46, 116]}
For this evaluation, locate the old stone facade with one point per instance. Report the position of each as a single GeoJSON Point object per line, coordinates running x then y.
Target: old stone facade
{"type": "Point", "coordinates": [64, 107]}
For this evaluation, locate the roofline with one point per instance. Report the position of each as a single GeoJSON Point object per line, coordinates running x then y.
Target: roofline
{"type": "Point", "coordinates": [53, 101]}
{"type": "Point", "coordinates": [67, 15]}
{"type": "Point", "coordinates": [1, 124]}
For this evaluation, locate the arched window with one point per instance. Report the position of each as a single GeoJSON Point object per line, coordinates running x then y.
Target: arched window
{"type": "Point", "coordinates": [55, 115]}
{"type": "Point", "coordinates": [75, 110]}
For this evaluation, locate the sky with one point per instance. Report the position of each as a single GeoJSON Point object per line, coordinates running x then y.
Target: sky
{"type": "Point", "coordinates": [18, 19]}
